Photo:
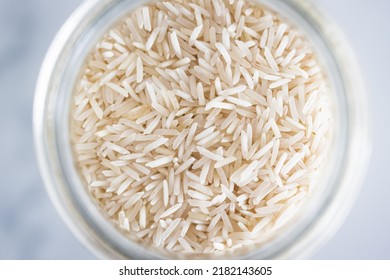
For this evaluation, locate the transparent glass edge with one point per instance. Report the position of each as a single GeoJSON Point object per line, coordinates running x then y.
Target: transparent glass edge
{"type": "Point", "coordinates": [38, 107]}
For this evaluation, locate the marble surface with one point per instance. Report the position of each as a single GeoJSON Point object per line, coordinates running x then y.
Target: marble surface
{"type": "Point", "coordinates": [30, 228]}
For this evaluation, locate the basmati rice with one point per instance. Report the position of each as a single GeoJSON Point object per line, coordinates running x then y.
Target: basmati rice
{"type": "Point", "coordinates": [201, 126]}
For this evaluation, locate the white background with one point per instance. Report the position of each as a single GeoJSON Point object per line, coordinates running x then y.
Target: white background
{"type": "Point", "coordinates": [30, 228]}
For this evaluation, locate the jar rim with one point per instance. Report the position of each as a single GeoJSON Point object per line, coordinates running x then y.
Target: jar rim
{"type": "Point", "coordinates": [95, 230]}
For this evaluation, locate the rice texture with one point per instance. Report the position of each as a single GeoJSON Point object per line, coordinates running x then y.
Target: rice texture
{"type": "Point", "coordinates": [201, 125]}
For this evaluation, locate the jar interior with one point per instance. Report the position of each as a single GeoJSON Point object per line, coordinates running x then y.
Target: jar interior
{"type": "Point", "coordinates": [86, 27]}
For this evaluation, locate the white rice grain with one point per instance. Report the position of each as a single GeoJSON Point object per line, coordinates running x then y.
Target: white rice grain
{"type": "Point", "coordinates": [201, 127]}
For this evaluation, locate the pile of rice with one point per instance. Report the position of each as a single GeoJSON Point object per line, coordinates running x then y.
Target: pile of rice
{"type": "Point", "coordinates": [201, 125]}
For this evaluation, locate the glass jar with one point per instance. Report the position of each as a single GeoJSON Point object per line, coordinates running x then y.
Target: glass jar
{"type": "Point", "coordinates": [322, 214]}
